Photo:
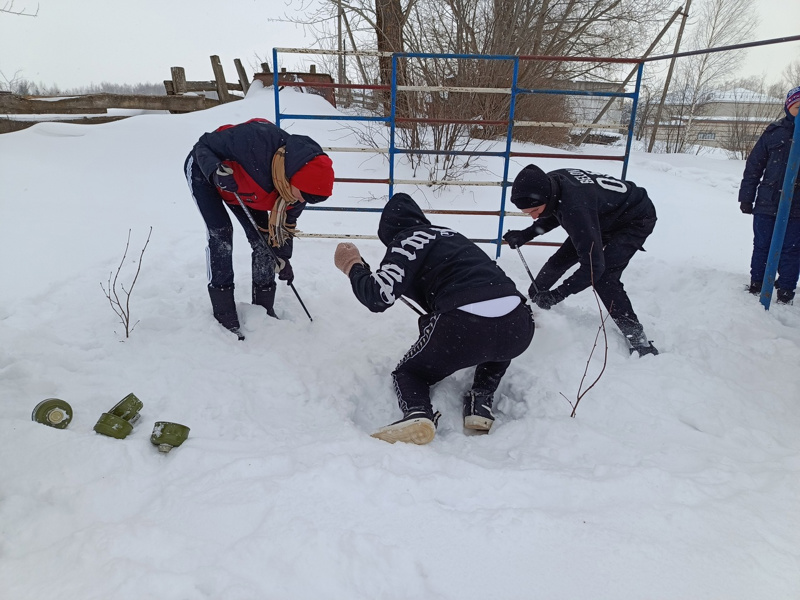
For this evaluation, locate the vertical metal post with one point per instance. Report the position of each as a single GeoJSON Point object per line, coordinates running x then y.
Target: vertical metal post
{"type": "Point", "coordinates": [275, 87]}
{"type": "Point", "coordinates": [393, 114]}
{"type": "Point", "coordinates": [632, 121]}
{"type": "Point", "coordinates": [669, 76]}
{"type": "Point", "coordinates": [507, 157]}
{"type": "Point", "coordinates": [781, 219]}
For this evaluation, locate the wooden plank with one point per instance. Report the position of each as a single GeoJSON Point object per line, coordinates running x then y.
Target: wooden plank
{"type": "Point", "coordinates": [201, 86]}
{"type": "Point", "coordinates": [219, 77]}
{"type": "Point", "coordinates": [178, 80]}
{"type": "Point", "coordinates": [98, 103]}
{"type": "Point", "coordinates": [9, 125]}
{"type": "Point", "coordinates": [18, 105]}
{"type": "Point", "coordinates": [242, 75]}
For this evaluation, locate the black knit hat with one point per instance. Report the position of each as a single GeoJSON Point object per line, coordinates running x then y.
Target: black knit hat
{"type": "Point", "coordinates": [531, 188]}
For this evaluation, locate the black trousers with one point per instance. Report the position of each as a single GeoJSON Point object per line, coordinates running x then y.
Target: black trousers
{"type": "Point", "coordinates": [618, 251]}
{"type": "Point", "coordinates": [456, 340]}
{"type": "Point", "coordinates": [219, 253]}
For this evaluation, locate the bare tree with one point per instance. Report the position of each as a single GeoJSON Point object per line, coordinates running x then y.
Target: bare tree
{"type": "Point", "coordinates": [754, 109]}
{"type": "Point", "coordinates": [491, 27]}
{"type": "Point", "coordinates": [791, 75]}
{"type": "Point", "coordinates": [717, 23]}
{"type": "Point", "coordinates": [8, 8]}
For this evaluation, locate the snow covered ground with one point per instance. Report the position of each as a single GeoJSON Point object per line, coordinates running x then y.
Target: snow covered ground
{"type": "Point", "coordinates": [678, 479]}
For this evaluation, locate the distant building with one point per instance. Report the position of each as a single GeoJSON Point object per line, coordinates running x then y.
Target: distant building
{"type": "Point", "coordinates": [723, 118]}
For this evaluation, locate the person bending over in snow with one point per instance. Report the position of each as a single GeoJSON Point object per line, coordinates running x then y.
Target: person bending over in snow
{"type": "Point", "coordinates": [607, 221]}
{"type": "Point", "coordinates": [765, 170]}
{"type": "Point", "coordinates": [275, 174]}
{"type": "Point", "coordinates": [475, 315]}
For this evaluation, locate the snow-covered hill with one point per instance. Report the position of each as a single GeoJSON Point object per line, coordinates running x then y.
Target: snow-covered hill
{"type": "Point", "coordinates": [679, 478]}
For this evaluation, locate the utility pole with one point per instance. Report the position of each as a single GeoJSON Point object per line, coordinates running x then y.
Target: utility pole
{"type": "Point", "coordinates": [630, 75]}
{"type": "Point", "coordinates": [340, 41]}
{"type": "Point", "coordinates": [669, 76]}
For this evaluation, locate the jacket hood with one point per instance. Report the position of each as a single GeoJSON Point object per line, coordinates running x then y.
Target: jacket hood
{"type": "Point", "coordinates": [399, 214]}
{"type": "Point", "coordinates": [553, 199]}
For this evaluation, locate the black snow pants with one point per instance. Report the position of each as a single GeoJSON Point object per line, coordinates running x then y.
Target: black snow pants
{"type": "Point", "coordinates": [455, 340]}
{"type": "Point", "coordinates": [219, 253]}
{"type": "Point", "coordinates": [617, 252]}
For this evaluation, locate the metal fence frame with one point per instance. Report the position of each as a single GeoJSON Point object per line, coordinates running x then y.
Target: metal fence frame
{"type": "Point", "coordinates": [394, 151]}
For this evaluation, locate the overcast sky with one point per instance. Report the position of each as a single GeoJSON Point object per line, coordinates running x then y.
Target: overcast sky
{"type": "Point", "coordinates": [80, 42]}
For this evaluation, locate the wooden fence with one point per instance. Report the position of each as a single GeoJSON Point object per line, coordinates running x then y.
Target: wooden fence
{"type": "Point", "coordinates": [181, 96]}
{"type": "Point", "coordinates": [93, 108]}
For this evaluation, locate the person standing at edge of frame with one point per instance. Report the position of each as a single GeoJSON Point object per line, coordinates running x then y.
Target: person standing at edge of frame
{"type": "Point", "coordinates": [762, 183]}
{"type": "Point", "coordinates": [475, 315]}
{"type": "Point", "coordinates": [607, 220]}
{"type": "Point", "coordinates": [275, 174]}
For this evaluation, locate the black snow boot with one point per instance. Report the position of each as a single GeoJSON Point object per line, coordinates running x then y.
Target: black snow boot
{"type": "Point", "coordinates": [785, 296]}
{"type": "Point", "coordinates": [265, 296]}
{"type": "Point", "coordinates": [754, 288]}
{"type": "Point", "coordinates": [224, 307]}
{"type": "Point", "coordinates": [638, 342]}
{"type": "Point", "coordinates": [418, 426]}
{"type": "Point", "coordinates": [478, 410]}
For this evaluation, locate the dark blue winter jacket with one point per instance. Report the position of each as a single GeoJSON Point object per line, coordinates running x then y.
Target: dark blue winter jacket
{"type": "Point", "coordinates": [766, 167]}
{"type": "Point", "coordinates": [252, 145]}
{"type": "Point", "coordinates": [437, 267]}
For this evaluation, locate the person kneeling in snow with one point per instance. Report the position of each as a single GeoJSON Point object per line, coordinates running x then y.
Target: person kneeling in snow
{"type": "Point", "coordinates": [274, 174]}
{"type": "Point", "coordinates": [607, 221]}
{"type": "Point", "coordinates": [475, 315]}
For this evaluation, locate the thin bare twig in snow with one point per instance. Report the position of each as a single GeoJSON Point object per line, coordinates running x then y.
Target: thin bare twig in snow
{"type": "Point", "coordinates": [123, 310]}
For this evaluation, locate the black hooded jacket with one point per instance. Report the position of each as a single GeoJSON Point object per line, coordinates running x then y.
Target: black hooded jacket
{"type": "Point", "coordinates": [592, 208]}
{"type": "Point", "coordinates": [438, 268]}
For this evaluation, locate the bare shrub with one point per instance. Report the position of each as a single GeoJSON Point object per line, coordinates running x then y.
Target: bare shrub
{"type": "Point", "coordinates": [122, 305]}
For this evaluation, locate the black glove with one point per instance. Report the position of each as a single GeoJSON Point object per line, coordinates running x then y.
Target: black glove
{"type": "Point", "coordinates": [223, 179]}
{"type": "Point", "coordinates": [746, 208]}
{"type": "Point", "coordinates": [546, 299]}
{"type": "Point", "coordinates": [285, 272]}
{"type": "Point", "coordinates": [517, 237]}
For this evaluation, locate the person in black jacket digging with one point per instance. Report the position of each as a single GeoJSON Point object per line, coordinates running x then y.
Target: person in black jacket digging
{"type": "Point", "coordinates": [474, 315]}
{"type": "Point", "coordinates": [607, 221]}
{"type": "Point", "coordinates": [274, 174]}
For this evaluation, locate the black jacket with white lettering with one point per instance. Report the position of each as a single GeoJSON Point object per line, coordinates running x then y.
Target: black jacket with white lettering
{"type": "Point", "coordinates": [593, 209]}
{"type": "Point", "coordinates": [436, 267]}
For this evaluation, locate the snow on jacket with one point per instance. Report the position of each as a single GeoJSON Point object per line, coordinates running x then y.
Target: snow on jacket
{"type": "Point", "coordinates": [765, 170]}
{"type": "Point", "coordinates": [437, 267]}
{"type": "Point", "coordinates": [592, 208]}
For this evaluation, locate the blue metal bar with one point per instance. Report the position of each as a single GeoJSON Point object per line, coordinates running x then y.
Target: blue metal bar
{"type": "Point", "coordinates": [632, 121]}
{"type": "Point", "coordinates": [511, 112]}
{"type": "Point", "coordinates": [392, 147]}
{"type": "Point", "coordinates": [781, 219]}
{"type": "Point", "coordinates": [275, 78]}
